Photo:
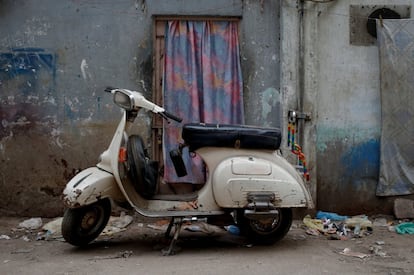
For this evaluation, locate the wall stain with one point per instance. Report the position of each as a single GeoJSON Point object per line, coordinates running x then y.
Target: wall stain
{"type": "Point", "coordinates": [347, 182]}
{"type": "Point", "coordinates": [52, 191]}
{"type": "Point", "coordinates": [362, 160]}
{"type": "Point", "coordinates": [27, 77]}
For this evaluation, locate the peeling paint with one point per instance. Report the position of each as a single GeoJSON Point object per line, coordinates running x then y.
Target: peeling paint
{"type": "Point", "coordinates": [3, 142]}
{"type": "Point", "coordinates": [270, 103]}
{"type": "Point", "coordinates": [84, 67]}
{"type": "Point", "coordinates": [55, 134]}
{"type": "Point", "coordinates": [30, 31]}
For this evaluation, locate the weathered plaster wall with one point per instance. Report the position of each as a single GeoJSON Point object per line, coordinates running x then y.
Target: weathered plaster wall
{"type": "Point", "coordinates": [56, 57]}
{"type": "Point", "coordinates": [342, 92]}
{"type": "Point", "coordinates": [260, 47]}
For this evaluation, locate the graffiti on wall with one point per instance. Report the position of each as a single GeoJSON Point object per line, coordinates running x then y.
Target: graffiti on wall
{"type": "Point", "coordinates": [27, 89]}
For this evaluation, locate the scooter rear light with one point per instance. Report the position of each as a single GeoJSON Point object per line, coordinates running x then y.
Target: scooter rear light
{"type": "Point", "coordinates": [122, 155]}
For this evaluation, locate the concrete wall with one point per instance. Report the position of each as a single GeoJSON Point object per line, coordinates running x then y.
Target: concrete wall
{"type": "Point", "coordinates": [56, 57]}
{"type": "Point", "coordinates": [341, 90]}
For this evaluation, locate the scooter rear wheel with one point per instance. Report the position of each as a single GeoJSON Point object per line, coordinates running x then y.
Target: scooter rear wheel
{"type": "Point", "coordinates": [82, 225]}
{"type": "Point", "coordinates": [267, 231]}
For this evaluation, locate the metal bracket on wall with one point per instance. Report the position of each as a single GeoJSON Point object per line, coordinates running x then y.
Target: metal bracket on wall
{"type": "Point", "coordinates": [294, 116]}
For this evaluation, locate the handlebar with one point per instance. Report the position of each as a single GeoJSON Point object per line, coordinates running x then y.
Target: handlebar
{"type": "Point", "coordinates": [109, 89]}
{"type": "Point", "coordinates": [171, 116]}
{"type": "Point", "coordinates": [136, 99]}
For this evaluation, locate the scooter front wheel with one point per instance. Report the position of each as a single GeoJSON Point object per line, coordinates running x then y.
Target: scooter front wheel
{"type": "Point", "coordinates": [265, 231]}
{"type": "Point", "coordinates": [82, 225]}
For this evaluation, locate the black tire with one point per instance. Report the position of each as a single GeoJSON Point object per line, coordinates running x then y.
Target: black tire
{"type": "Point", "coordinates": [268, 231]}
{"type": "Point", "coordinates": [142, 172]}
{"type": "Point", "coordinates": [81, 226]}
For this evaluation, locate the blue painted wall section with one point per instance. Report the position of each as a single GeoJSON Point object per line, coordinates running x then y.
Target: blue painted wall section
{"type": "Point", "coordinates": [361, 161]}
{"type": "Point", "coordinates": [27, 87]}
{"type": "Point", "coordinates": [350, 177]}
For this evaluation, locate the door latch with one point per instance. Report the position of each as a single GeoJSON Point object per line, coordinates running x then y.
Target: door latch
{"type": "Point", "coordinates": [293, 116]}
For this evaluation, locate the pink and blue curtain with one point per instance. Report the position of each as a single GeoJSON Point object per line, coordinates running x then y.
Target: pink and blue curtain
{"type": "Point", "coordinates": [202, 83]}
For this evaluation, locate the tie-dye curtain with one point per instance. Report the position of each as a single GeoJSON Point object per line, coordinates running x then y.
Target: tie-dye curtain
{"type": "Point", "coordinates": [202, 83]}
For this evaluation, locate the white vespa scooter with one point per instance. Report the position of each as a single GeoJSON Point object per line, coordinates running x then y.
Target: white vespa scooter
{"type": "Point", "coordinates": [246, 178]}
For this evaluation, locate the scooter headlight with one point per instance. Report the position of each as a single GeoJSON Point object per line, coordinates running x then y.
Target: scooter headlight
{"type": "Point", "coordinates": [124, 100]}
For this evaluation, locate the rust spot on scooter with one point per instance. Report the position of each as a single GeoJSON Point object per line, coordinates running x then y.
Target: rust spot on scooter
{"type": "Point", "coordinates": [189, 205]}
{"type": "Point", "coordinates": [70, 203]}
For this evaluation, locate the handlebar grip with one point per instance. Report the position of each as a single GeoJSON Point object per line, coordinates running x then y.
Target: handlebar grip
{"type": "Point", "coordinates": [173, 117]}
{"type": "Point", "coordinates": [109, 89]}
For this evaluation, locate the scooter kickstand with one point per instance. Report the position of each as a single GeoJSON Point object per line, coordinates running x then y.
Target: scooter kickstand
{"type": "Point", "coordinates": [172, 250]}
{"type": "Point", "coordinates": [170, 225]}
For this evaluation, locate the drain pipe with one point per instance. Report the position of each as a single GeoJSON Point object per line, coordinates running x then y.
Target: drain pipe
{"type": "Point", "coordinates": [301, 69]}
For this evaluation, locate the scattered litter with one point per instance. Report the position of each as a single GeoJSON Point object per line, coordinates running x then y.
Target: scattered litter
{"type": "Point", "coordinates": [25, 238]}
{"type": "Point", "coordinates": [350, 253]}
{"type": "Point", "coordinates": [312, 231]}
{"type": "Point", "coordinates": [117, 224]}
{"type": "Point", "coordinates": [380, 222]}
{"type": "Point", "coordinates": [313, 223]}
{"type": "Point", "coordinates": [362, 221]}
{"type": "Point", "coordinates": [31, 224]}
{"type": "Point", "coordinates": [161, 225]}
{"type": "Point", "coordinates": [405, 228]}
{"type": "Point", "coordinates": [380, 242]}
{"type": "Point", "coordinates": [122, 221]}
{"type": "Point", "coordinates": [45, 235]}
{"type": "Point", "coordinates": [204, 228]}
{"type": "Point", "coordinates": [328, 226]}
{"type": "Point", "coordinates": [377, 250]}
{"type": "Point", "coordinates": [51, 230]}
{"type": "Point", "coordinates": [391, 228]}
{"type": "Point", "coordinates": [125, 254]}
{"type": "Point", "coordinates": [232, 229]}
{"type": "Point", "coordinates": [54, 227]}
{"type": "Point", "coordinates": [4, 237]}
{"type": "Point", "coordinates": [345, 227]}
{"type": "Point", "coordinates": [360, 225]}
{"type": "Point", "coordinates": [193, 228]}
{"type": "Point", "coordinates": [337, 237]}
{"type": "Point", "coordinates": [357, 230]}
{"type": "Point", "coordinates": [341, 228]}
{"type": "Point", "coordinates": [331, 216]}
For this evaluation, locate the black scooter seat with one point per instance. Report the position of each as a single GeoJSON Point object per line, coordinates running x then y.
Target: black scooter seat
{"type": "Point", "coordinates": [197, 135]}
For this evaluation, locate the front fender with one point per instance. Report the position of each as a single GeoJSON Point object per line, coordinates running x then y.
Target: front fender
{"type": "Point", "coordinates": [89, 186]}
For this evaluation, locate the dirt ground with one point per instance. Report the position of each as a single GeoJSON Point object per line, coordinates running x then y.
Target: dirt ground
{"type": "Point", "coordinates": [137, 250]}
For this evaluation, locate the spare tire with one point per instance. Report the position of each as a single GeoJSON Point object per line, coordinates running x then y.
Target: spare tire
{"type": "Point", "coordinates": [142, 172]}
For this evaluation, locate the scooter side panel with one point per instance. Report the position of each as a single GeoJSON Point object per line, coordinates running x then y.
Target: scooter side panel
{"type": "Point", "coordinates": [235, 177]}
{"type": "Point", "coordinates": [89, 186]}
